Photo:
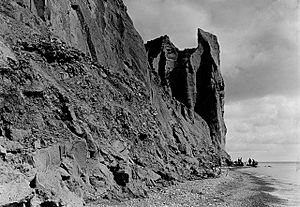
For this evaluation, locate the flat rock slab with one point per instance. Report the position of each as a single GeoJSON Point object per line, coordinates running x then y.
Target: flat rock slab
{"type": "Point", "coordinates": [15, 192]}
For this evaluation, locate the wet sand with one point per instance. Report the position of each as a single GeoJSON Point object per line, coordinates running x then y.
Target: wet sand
{"type": "Point", "coordinates": [232, 189]}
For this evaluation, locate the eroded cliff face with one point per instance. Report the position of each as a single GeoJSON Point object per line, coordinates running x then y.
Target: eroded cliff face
{"type": "Point", "coordinates": [101, 29]}
{"type": "Point", "coordinates": [85, 118]}
{"type": "Point", "coordinates": [193, 77]}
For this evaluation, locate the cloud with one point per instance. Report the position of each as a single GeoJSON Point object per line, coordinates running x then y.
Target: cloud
{"type": "Point", "coordinates": [264, 125]}
{"type": "Point", "coordinates": [175, 18]}
{"type": "Point", "coordinates": [259, 39]}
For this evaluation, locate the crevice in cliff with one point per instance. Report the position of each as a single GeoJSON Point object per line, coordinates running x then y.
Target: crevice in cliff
{"type": "Point", "coordinates": [181, 79]}
{"type": "Point", "coordinates": [153, 49]}
{"type": "Point", "coordinates": [161, 69]}
{"type": "Point", "coordinates": [87, 32]}
{"type": "Point", "coordinates": [121, 26]}
{"type": "Point", "coordinates": [206, 104]}
{"type": "Point", "coordinates": [40, 8]}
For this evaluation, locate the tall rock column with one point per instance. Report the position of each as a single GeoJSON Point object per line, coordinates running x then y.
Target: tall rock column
{"type": "Point", "coordinates": [210, 85]}
{"type": "Point", "coordinates": [193, 77]}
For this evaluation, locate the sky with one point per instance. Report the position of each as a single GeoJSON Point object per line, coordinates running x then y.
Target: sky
{"type": "Point", "coordinates": [260, 52]}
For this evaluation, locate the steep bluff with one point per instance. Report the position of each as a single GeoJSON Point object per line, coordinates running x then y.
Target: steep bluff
{"type": "Point", "coordinates": [87, 114]}
{"type": "Point", "coordinates": [193, 77]}
{"type": "Point", "coordinates": [101, 29]}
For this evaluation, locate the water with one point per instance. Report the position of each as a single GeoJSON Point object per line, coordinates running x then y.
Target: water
{"type": "Point", "coordinates": [284, 177]}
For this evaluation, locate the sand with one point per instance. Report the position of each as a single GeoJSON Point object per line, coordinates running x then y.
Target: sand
{"type": "Point", "coordinates": [232, 189]}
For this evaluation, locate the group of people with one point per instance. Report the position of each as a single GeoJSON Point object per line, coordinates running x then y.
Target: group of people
{"type": "Point", "coordinates": [251, 162]}
{"type": "Point", "coordinates": [239, 162]}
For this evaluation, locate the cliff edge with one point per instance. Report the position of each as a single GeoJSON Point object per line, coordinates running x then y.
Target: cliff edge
{"type": "Point", "coordinates": [192, 76]}
{"type": "Point", "coordinates": [88, 113]}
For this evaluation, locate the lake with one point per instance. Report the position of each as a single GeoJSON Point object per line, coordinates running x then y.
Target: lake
{"type": "Point", "coordinates": [284, 177]}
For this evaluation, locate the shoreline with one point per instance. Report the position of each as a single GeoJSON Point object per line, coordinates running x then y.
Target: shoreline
{"type": "Point", "coordinates": [233, 188]}
{"type": "Point", "coordinates": [263, 190]}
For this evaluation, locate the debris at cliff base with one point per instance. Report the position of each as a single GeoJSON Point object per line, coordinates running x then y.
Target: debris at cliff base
{"type": "Point", "coordinates": [232, 189]}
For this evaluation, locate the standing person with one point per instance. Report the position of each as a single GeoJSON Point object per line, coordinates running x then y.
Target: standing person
{"type": "Point", "coordinates": [249, 161]}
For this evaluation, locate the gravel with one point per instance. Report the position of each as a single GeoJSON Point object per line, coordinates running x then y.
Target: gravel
{"type": "Point", "coordinates": [232, 189]}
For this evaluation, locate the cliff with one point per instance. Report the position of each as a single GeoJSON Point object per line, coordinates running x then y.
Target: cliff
{"type": "Point", "coordinates": [193, 77]}
{"type": "Point", "coordinates": [88, 114]}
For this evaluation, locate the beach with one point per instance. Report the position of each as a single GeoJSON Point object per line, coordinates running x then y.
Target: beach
{"type": "Point", "coordinates": [234, 188]}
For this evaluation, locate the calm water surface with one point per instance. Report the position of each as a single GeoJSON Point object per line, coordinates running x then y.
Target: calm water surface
{"type": "Point", "coordinates": [285, 178]}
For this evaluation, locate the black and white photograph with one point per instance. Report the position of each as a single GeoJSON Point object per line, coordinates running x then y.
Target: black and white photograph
{"type": "Point", "coordinates": [149, 103]}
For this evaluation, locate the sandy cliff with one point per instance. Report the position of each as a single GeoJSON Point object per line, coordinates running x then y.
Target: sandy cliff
{"type": "Point", "coordinates": [88, 114]}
